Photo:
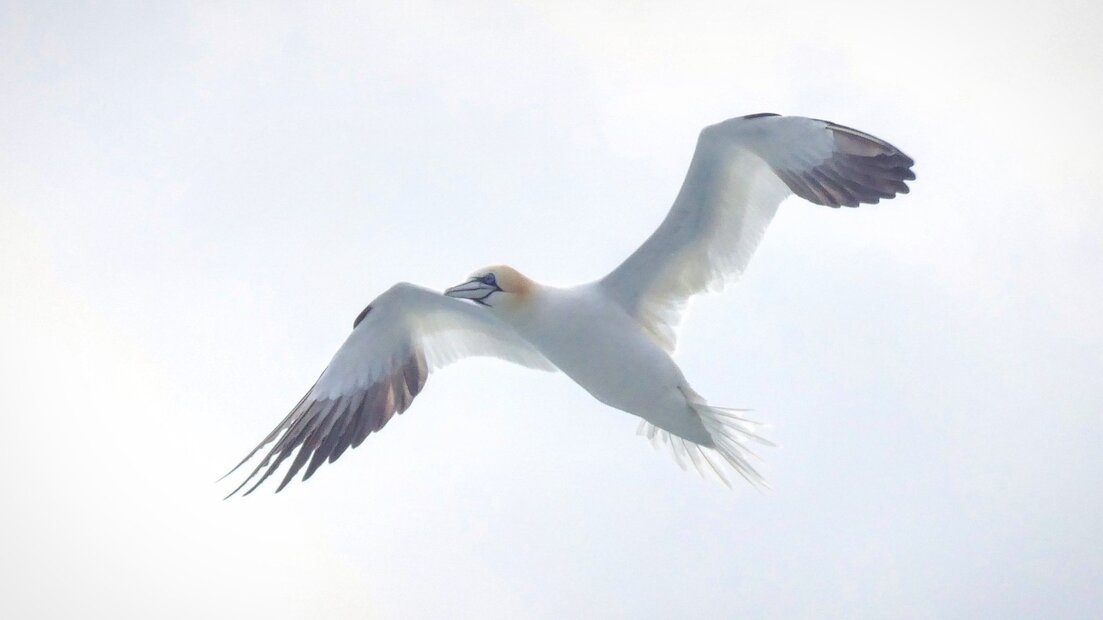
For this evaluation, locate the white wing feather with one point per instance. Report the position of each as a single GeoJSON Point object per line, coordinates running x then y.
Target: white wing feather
{"type": "Point", "coordinates": [400, 337]}
{"type": "Point", "coordinates": [741, 170]}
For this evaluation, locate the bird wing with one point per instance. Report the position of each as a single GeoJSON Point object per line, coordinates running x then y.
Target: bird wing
{"type": "Point", "coordinates": [741, 170]}
{"type": "Point", "coordinates": [396, 341]}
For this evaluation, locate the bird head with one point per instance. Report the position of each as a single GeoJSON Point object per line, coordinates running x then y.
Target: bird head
{"type": "Point", "coordinates": [498, 287]}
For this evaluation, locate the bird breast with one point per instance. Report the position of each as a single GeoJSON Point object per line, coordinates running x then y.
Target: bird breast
{"type": "Point", "coordinates": [600, 347]}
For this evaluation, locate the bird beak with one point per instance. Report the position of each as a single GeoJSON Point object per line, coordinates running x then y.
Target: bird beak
{"type": "Point", "coordinates": [474, 290]}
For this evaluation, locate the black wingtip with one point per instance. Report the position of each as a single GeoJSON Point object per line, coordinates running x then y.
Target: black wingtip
{"type": "Point", "coordinates": [863, 169]}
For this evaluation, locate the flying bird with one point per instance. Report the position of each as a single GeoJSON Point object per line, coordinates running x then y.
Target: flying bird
{"type": "Point", "coordinates": [614, 336]}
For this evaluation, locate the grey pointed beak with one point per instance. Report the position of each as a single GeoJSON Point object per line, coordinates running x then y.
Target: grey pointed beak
{"type": "Point", "coordinates": [470, 289]}
{"type": "Point", "coordinates": [473, 289]}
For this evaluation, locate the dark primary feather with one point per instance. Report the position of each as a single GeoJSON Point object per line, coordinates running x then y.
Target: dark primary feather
{"type": "Point", "coordinates": [863, 169]}
{"type": "Point", "coordinates": [360, 317]}
{"type": "Point", "coordinates": [321, 429]}
{"type": "Point", "coordinates": [758, 115]}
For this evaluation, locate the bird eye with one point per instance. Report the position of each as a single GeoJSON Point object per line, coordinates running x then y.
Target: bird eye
{"type": "Point", "coordinates": [489, 279]}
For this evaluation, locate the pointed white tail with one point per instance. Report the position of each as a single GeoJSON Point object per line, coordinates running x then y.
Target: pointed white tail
{"type": "Point", "coordinates": [730, 432]}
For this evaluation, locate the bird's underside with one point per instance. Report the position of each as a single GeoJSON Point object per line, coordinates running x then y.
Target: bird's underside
{"type": "Point", "coordinates": [741, 171]}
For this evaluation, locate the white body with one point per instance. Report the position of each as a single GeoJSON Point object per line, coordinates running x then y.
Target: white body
{"type": "Point", "coordinates": [596, 343]}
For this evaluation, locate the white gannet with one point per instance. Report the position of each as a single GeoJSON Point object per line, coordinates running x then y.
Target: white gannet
{"type": "Point", "coordinates": [613, 336]}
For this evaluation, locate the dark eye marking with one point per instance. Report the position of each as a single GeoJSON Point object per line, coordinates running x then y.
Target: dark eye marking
{"type": "Point", "coordinates": [360, 317]}
{"type": "Point", "coordinates": [489, 280]}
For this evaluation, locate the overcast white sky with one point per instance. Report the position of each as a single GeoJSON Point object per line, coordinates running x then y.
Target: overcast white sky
{"type": "Point", "coordinates": [196, 200]}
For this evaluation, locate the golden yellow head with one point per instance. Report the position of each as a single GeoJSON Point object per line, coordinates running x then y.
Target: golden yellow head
{"type": "Point", "coordinates": [509, 279]}
{"type": "Point", "coordinates": [496, 286]}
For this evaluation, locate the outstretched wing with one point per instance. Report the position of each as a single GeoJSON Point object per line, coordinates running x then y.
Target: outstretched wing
{"type": "Point", "coordinates": [741, 171]}
{"type": "Point", "coordinates": [395, 342]}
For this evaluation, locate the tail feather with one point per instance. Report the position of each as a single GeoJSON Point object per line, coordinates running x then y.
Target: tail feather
{"type": "Point", "coordinates": [730, 433]}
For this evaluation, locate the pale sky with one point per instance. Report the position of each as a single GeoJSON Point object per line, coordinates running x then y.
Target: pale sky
{"type": "Point", "coordinates": [196, 200]}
